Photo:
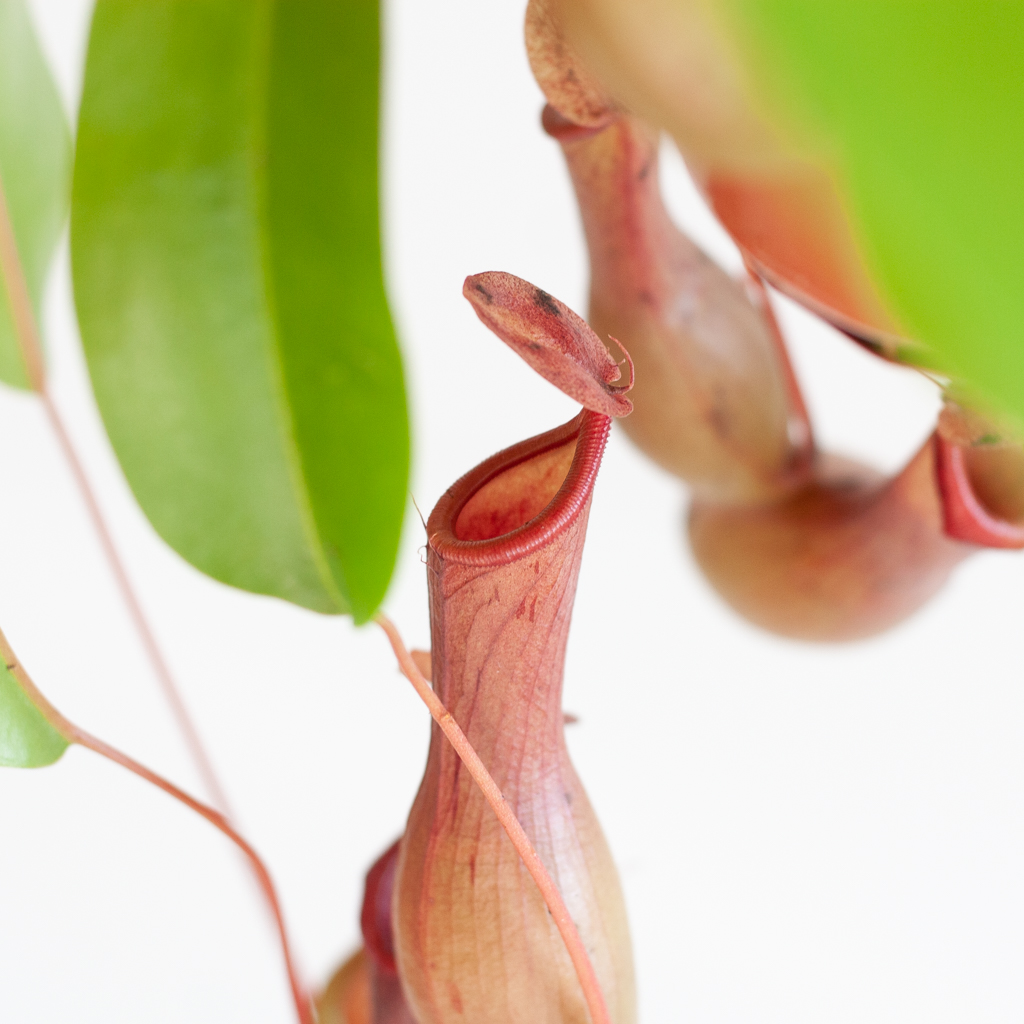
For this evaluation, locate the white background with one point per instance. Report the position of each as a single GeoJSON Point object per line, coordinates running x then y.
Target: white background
{"type": "Point", "coordinates": [806, 834]}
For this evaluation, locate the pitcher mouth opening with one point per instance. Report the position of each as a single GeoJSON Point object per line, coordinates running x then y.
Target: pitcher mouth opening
{"type": "Point", "coordinates": [982, 496]}
{"type": "Point", "coordinates": [521, 499]}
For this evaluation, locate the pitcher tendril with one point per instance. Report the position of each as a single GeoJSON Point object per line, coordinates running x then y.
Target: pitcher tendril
{"type": "Point", "coordinates": [74, 734]}
{"type": "Point", "coordinates": [509, 822]}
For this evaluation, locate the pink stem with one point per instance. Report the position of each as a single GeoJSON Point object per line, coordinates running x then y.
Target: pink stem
{"type": "Point", "coordinates": [171, 693]}
{"type": "Point", "coordinates": [27, 333]}
{"type": "Point", "coordinates": [509, 822]}
{"type": "Point", "coordinates": [300, 996]}
{"type": "Point", "coordinates": [73, 734]}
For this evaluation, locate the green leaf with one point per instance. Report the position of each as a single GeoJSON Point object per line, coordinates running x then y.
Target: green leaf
{"type": "Point", "coordinates": [27, 740]}
{"type": "Point", "coordinates": [227, 266]}
{"type": "Point", "coordinates": [35, 167]}
{"type": "Point", "coordinates": [922, 105]}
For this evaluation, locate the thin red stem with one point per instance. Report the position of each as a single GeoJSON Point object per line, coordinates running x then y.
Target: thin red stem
{"type": "Point", "coordinates": [510, 823]}
{"type": "Point", "coordinates": [27, 332]}
{"type": "Point", "coordinates": [73, 734]}
{"type": "Point", "coordinates": [171, 693]}
{"type": "Point", "coordinates": [300, 996]}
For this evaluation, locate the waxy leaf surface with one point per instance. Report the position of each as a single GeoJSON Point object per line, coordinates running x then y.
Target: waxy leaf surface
{"type": "Point", "coordinates": [35, 167]}
{"type": "Point", "coordinates": [27, 740]}
{"type": "Point", "coordinates": [226, 253]}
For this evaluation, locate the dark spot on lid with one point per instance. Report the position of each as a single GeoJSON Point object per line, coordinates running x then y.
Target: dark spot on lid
{"type": "Point", "coordinates": [546, 302]}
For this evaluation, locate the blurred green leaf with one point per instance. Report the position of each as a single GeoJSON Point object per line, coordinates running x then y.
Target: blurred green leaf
{"type": "Point", "coordinates": [35, 167]}
{"type": "Point", "coordinates": [922, 109]}
{"type": "Point", "coordinates": [227, 266]}
{"type": "Point", "coordinates": [27, 740]}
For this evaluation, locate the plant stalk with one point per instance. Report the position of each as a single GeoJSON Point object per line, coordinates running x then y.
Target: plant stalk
{"type": "Point", "coordinates": [27, 332]}
{"type": "Point", "coordinates": [73, 734]}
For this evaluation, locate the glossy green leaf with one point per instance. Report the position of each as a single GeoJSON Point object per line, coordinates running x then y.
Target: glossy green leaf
{"type": "Point", "coordinates": [35, 167]}
{"type": "Point", "coordinates": [921, 108]}
{"type": "Point", "coordinates": [227, 267]}
{"type": "Point", "coordinates": [27, 740]}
